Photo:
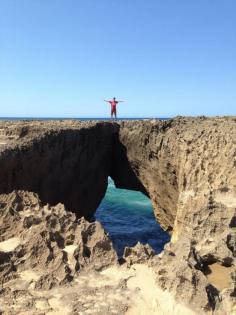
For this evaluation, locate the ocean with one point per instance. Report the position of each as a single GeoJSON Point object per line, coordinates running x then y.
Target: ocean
{"type": "Point", "coordinates": [72, 118]}
{"type": "Point", "coordinates": [128, 218]}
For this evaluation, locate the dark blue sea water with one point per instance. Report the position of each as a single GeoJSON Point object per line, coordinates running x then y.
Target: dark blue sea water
{"type": "Point", "coordinates": [128, 217]}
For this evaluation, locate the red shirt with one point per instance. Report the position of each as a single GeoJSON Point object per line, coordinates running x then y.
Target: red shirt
{"type": "Point", "coordinates": [113, 104]}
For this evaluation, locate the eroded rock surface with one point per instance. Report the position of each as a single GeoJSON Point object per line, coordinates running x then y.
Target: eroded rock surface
{"type": "Point", "coordinates": [200, 268]}
{"type": "Point", "coordinates": [178, 159]}
{"type": "Point", "coordinates": [51, 263]}
{"type": "Point", "coordinates": [187, 166]}
{"type": "Point", "coordinates": [138, 254]}
{"type": "Point", "coordinates": [62, 161]}
{"type": "Point", "coordinates": [46, 244]}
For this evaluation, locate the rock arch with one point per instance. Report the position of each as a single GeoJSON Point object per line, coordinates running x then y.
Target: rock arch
{"type": "Point", "coordinates": [69, 162]}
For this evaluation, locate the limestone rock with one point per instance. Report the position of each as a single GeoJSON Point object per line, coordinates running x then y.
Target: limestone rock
{"type": "Point", "coordinates": [187, 166]}
{"type": "Point", "coordinates": [48, 243]}
{"type": "Point", "coordinates": [138, 254]}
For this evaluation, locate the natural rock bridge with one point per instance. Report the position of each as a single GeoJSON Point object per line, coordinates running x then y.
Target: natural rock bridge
{"type": "Point", "coordinates": [176, 162]}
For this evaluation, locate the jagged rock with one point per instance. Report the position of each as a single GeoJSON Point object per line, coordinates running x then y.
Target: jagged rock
{"type": "Point", "coordinates": [198, 269]}
{"type": "Point", "coordinates": [138, 254]}
{"type": "Point", "coordinates": [48, 242]}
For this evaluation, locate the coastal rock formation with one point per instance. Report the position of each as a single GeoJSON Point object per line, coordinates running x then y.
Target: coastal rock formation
{"type": "Point", "coordinates": [179, 160]}
{"type": "Point", "coordinates": [51, 263]}
{"type": "Point", "coordinates": [200, 268]}
{"type": "Point", "coordinates": [44, 247]}
{"type": "Point", "coordinates": [138, 254]}
{"type": "Point", "coordinates": [48, 241]}
{"type": "Point", "coordinates": [65, 162]}
{"type": "Point", "coordinates": [187, 166]}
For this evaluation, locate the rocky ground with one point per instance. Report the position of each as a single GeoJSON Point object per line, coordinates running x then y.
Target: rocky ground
{"type": "Point", "coordinates": [53, 261]}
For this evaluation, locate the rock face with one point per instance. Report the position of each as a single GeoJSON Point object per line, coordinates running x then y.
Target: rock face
{"type": "Point", "coordinates": [48, 241]}
{"type": "Point", "coordinates": [138, 254]}
{"type": "Point", "coordinates": [43, 249]}
{"type": "Point", "coordinates": [180, 160]}
{"type": "Point", "coordinates": [62, 162]}
{"type": "Point", "coordinates": [187, 166]}
{"type": "Point", "coordinates": [200, 268]}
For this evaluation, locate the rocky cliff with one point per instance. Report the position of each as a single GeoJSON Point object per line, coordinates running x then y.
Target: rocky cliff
{"type": "Point", "coordinates": [185, 165]}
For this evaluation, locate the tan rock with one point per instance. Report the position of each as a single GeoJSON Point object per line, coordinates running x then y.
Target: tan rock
{"type": "Point", "coordinates": [185, 165]}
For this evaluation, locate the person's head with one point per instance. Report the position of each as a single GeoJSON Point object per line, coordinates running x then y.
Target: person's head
{"type": "Point", "coordinates": [114, 98]}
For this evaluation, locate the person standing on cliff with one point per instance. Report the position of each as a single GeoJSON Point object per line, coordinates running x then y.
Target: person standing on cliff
{"type": "Point", "coordinates": [113, 103]}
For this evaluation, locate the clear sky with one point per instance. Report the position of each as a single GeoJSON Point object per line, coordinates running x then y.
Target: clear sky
{"type": "Point", "coordinates": [62, 58]}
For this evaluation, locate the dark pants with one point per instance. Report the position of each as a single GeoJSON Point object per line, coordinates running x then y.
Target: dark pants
{"type": "Point", "coordinates": [113, 111]}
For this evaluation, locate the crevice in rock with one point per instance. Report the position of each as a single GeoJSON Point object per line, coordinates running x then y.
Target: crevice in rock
{"type": "Point", "coordinates": [213, 296]}
{"type": "Point", "coordinates": [122, 171]}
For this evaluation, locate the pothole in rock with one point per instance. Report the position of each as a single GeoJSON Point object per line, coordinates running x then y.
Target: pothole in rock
{"type": "Point", "coordinates": [128, 217]}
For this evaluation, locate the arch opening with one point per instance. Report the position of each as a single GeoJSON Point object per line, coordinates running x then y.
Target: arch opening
{"type": "Point", "coordinates": [128, 218]}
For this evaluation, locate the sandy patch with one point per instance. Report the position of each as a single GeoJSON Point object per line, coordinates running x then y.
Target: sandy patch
{"type": "Point", "coordinates": [42, 304]}
{"type": "Point", "coordinates": [220, 276]}
{"type": "Point", "coordinates": [145, 297]}
{"type": "Point", "coordinates": [148, 299]}
{"type": "Point", "coordinates": [114, 274]}
{"type": "Point", "coordinates": [58, 306]}
{"type": "Point", "coordinates": [10, 244]}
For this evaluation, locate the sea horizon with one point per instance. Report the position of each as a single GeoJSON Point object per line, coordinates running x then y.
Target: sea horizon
{"type": "Point", "coordinates": [80, 118]}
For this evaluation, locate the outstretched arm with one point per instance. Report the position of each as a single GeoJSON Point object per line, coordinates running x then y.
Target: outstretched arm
{"type": "Point", "coordinates": [106, 101]}
{"type": "Point", "coordinates": [120, 101]}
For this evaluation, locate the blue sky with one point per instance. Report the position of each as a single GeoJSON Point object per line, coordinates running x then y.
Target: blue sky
{"type": "Point", "coordinates": [61, 58]}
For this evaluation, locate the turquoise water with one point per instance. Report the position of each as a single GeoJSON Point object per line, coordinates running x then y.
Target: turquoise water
{"type": "Point", "coordinates": [128, 217]}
